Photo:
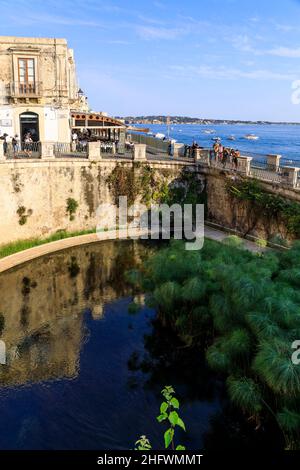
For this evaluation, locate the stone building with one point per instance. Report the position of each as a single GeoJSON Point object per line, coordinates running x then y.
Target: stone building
{"type": "Point", "coordinates": [38, 88]}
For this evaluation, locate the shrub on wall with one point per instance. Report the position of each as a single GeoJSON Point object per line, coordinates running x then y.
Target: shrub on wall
{"type": "Point", "coordinates": [23, 214]}
{"type": "Point", "coordinates": [72, 206]}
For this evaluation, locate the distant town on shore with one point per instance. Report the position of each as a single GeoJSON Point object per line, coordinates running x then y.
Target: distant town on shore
{"type": "Point", "coordinates": [191, 120]}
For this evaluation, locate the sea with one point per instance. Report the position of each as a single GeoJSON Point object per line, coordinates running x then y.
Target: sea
{"type": "Point", "coordinates": [280, 139]}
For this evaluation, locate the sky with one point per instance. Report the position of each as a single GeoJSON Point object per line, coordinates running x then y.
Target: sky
{"type": "Point", "coordinates": [223, 59]}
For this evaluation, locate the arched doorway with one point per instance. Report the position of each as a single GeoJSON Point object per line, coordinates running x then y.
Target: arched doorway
{"type": "Point", "coordinates": [29, 123]}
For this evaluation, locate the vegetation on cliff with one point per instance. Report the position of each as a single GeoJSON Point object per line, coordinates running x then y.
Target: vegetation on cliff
{"type": "Point", "coordinates": [149, 186]}
{"type": "Point", "coordinates": [243, 309]}
{"type": "Point", "coordinates": [263, 204]}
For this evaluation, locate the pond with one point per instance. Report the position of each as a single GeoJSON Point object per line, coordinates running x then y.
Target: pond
{"type": "Point", "coordinates": [83, 372]}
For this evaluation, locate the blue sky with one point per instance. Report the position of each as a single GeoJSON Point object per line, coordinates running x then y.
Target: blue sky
{"type": "Point", "coordinates": [206, 58]}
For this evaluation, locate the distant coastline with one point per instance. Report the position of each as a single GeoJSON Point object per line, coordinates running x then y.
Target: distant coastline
{"type": "Point", "coordinates": [173, 120]}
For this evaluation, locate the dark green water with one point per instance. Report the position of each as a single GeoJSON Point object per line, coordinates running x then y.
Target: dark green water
{"type": "Point", "coordinates": [83, 373]}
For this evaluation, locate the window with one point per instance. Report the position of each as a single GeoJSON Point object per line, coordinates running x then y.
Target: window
{"type": "Point", "coordinates": [26, 76]}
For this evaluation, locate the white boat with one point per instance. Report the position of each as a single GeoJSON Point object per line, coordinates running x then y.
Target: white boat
{"type": "Point", "coordinates": [209, 131]}
{"type": "Point", "coordinates": [216, 139]}
{"type": "Point", "coordinates": [160, 136]}
{"type": "Point", "coordinates": [251, 137]}
{"type": "Point", "coordinates": [231, 137]}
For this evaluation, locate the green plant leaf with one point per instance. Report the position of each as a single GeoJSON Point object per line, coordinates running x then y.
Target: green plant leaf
{"type": "Point", "coordinates": [175, 403]}
{"type": "Point", "coordinates": [180, 448]}
{"type": "Point", "coordinates": [168, 436]}
{"type": "Point", "coordinates": [181, 423]}
{"type": "Point", "coordinates": [163, 407]}
{"type": "Point", "coordinates": [173, 418]}
{"type": "Point", "coordinates": [162, 417]}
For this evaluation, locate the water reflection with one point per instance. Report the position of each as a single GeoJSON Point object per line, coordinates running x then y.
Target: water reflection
{"type": "Point", "coordinates": [82, 372]}
{"type": "Point", "coordinates": [41, 307]}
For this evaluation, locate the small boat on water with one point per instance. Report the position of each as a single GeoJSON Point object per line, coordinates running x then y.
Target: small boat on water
{"type": "Point", "coordinates": [160, 136]}
{"type": "Point", "coordinates": [209, 131]}
{"type": "Point", "coordinates": [251, 137]}
{"type": "Point", "coordinates": [216, 139]}
{"type": "Point", "coordinates": [231, 137]}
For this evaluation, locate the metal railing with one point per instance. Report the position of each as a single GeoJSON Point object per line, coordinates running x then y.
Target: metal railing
{"type": "Point", "coordinates": [19, 89]}
{"type": "Point", "coordinates": [151, 142]}
{"type": "Point", "coordinates": [266, 168]}
{"type": "Point", "coordinates": [108, 148]}
{"type": "Point", "coordinates": [22, 150]}
{"type": "Point", "coordinates": [74, 149]}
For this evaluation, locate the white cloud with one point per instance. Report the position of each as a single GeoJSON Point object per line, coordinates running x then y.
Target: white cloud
{"type": "Point", "coordinates": [293, 53]}
{"type": "Point", "coordinates": [286, 28]}
{"type": "Point", "coordinates": [227, 73]}
{"type": "Point", "coordinates": [120, 42]}
{"type": "Point", "coordinates": [242, 43]}
{"type": "Point", "coordinates": [53, 19]}
{"type": "Point", "coordinates": [152, 32]}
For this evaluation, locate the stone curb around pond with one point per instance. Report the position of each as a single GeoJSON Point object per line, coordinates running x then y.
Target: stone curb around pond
{"type": "Point", "coordinates": [16, 259]}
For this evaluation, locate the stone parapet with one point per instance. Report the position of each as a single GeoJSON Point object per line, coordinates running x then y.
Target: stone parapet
{"type": "Point", "coordinates": [47, 150]}
{"type": "Point", "coordinates": [290, 176]}
{"type": "Point", "coordinates": [244, 164]}
{"type": "Point", "coordinates": [139, 152]}
{"type": "Point", "coordinates": [94, 151]}
{"type": "Point", "coordinates": [273, 162]}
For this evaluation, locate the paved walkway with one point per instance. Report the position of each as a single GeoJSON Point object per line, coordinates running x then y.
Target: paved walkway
{"type": "Point", "coordinates": [27, 255]}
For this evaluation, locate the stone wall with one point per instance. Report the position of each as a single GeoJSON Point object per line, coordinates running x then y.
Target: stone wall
{"type": "Point", "coordinates": [228, 212]}
{"type": "Point", "coordinates": [33, 195]}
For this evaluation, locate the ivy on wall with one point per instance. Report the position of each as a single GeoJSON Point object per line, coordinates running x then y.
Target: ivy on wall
{"type": "Point", "coordinates": [154, 186]}
{"type": "Point", "coordinates": [267, 204]}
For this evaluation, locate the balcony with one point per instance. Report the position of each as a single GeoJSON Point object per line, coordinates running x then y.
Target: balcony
{"type": "Point", "coordinates": [25, 90]}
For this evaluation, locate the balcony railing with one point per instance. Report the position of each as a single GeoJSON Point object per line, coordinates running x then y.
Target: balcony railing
{"type": "Point", "coordinates": [21, 150]}
{"type": "Point", "coordinates": [25, 90]}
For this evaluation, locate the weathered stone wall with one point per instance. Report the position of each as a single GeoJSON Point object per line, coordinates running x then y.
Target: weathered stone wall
{"type": "Point", "coordinates": [33, 195]}
{"type": "Point", "coordinates": [228, 212]}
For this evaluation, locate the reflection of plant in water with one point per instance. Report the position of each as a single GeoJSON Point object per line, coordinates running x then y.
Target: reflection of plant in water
{"type": "Point", "coordinates": [28, 285]}
{"type": "Point", "coordinates": [73, 267]}
{"type": "Point", "coordinates": [168, 414]}
{"type": "Point", "coordinates": [2, 323]}
{"type": "Point", "coordinates": [133, 308]}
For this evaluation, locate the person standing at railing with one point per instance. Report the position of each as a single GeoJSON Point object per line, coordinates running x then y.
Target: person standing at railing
{"type": "Point", "coordinates": [216, 151]}
{"type": "Point", "coordinates": [235, 156]}
{"type": "Point", "coordinates": [15, 144]}
{"type": "Point", "coordinates": [5, 144]}
{"type": "Point", "coordinates": [74, 141]}
{"type": "Point", "coordinates": [220, 153]}
{"type": "Point", "coordinates": [28, 144]}
{"type": "Point", "coordinates": [225, 156]}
